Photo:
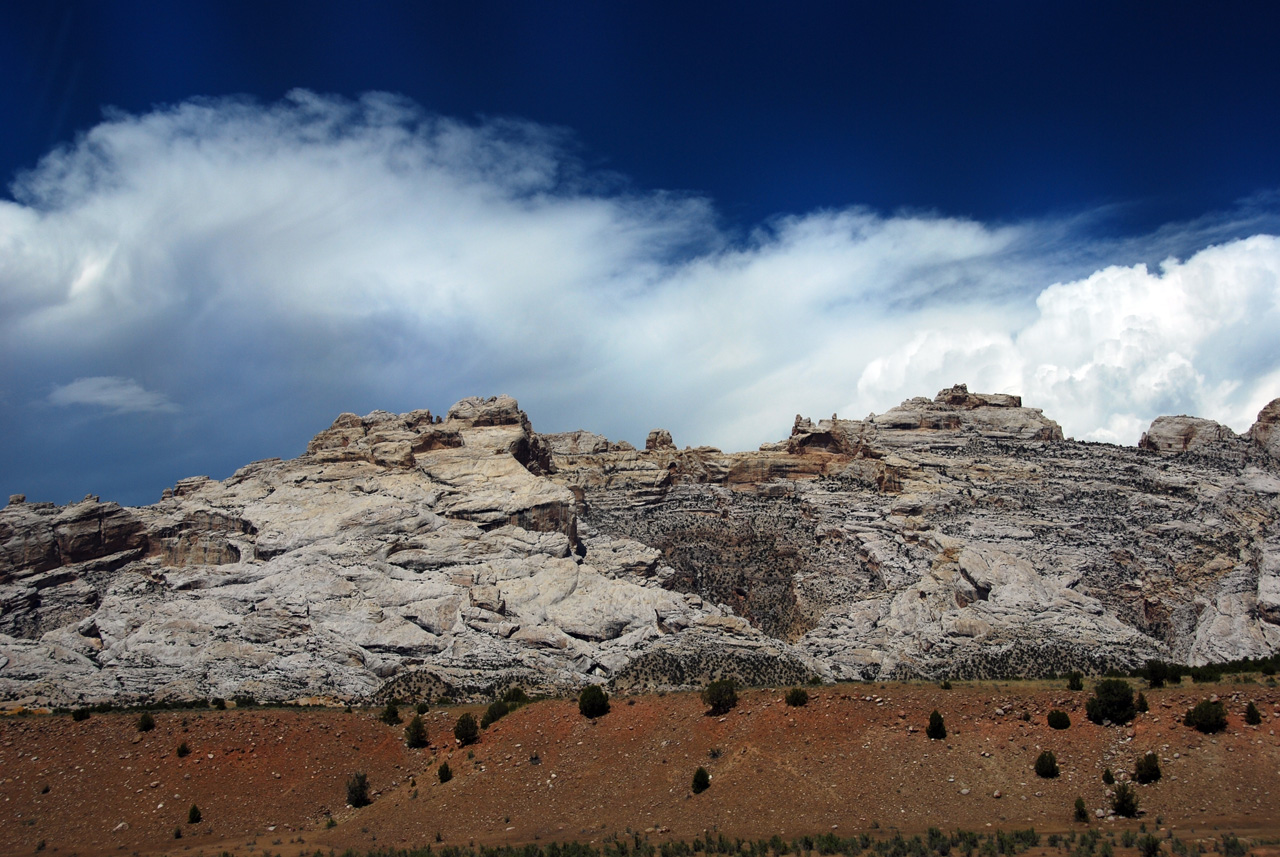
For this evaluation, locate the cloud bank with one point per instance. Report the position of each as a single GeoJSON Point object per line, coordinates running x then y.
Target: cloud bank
{"type": "Point", "coordinates": [248, 271]}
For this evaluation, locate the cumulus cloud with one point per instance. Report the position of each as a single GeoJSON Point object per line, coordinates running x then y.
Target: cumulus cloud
{"type": "Point", "coordinates": [119, 395]}
{"type": "Point", "coordinates": [271, 265]}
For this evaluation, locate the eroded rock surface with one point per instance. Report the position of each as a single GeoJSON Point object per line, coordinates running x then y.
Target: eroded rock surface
{"type": "Point", "coordinates": [407, 555]}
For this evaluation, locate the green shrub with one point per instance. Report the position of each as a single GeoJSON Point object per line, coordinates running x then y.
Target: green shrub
{"type": "Point", "coordinates": [193, 815]}
{"type": "Point", "coordinates": [721, 695]}
{"type": "Point", "coordinates": [219, 703]}
{"type": "Point", "coordinates": [701, 780]}
{"type": "Point", "coordinates": [1124, 801]}
{"type": "Point", "coordinates": [391, 714]}
{"type": "Point", "coordinates": [415, 734]}
{"type": "Point", "coordinates": [1141, 704]}
{"type": "Point", "coordinates": [936, 730]}
{"type": "Point", "coordinates": [797, 696]}
{"type": "Point", "coordinates": [593, 702]}
{"type": "Point", "coordinates": [946, 684]}
{"type": "Point", "coordinates": [1252, 715]}
{"type": "Point", "coordinates": [1108, 778]}
{"type": "Point", "coordinates": [358, 790]}
{"type": "Point", "coordinates": [495, 712]}
{"type": "Point", "coordinates": [466, 730]}
{"type": "Point", "coordinates": [80, 714]}
{"type": "Point", "coordinates": [183, 750]}
{"type": "Point", "coordinates": [422, 708]}
{"type": "Point", "coordinates": [1207, 717]}
{"type": "Point", "coordinates": [146, 722]}
{"type": "Point", "coordinates": [1047, 765]}
{"type": "Point", "coordinates": [1075, 681]}
{"type": "Point", "coordinates": [1157, 672]}
{"type": "Point", "coordinates": [515, 696]}
{"type": "Point", "coordinates": [1147, 770]}
{"type": "Point", "coordinates": [1082, 812]}
{"type": "Point", "coordinates": [1112, 701]}
{"type": "Point", "coordinates": [1059, 719]}
{"type": "Point", "coordinates": [1148, 846]}
{"type": "Point", "coordinates": [444, 773]}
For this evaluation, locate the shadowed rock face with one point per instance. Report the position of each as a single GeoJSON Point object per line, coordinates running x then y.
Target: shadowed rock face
{"type": "Point", "coordinates": [407, 554]}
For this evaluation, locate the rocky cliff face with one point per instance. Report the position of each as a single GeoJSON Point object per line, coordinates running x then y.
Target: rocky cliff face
{"type": "Point", "coordinates": [406, 555]}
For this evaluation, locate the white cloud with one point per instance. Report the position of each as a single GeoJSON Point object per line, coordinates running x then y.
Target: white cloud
{"type": "Point", "coordinates": [319, 253]}
{"type": "Point", "coordinates": [120, 395]}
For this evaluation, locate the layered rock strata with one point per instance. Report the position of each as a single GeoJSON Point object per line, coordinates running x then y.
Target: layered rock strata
{"type": "Point", "coordinates": [411, 555]}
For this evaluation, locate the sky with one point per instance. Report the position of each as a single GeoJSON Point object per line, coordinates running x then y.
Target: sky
{"type": "Point", "coordinates": [223, 224]}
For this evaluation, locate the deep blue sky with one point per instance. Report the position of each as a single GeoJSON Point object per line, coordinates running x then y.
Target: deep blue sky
{"type": "Point", "coordinates": [987, 110]}
{"type": "Point", "coordinates": [715, 215]}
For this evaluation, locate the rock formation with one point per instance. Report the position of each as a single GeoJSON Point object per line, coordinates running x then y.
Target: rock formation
{"type": "Point", "coordinates": [411, 555]}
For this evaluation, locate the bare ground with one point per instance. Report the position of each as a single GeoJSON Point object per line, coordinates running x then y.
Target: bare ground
{"type": "Point", "coordinates": [854, 759]}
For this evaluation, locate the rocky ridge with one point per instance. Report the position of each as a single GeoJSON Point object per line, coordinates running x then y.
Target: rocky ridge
{"type": "Point", "coordinates": [411, 555]}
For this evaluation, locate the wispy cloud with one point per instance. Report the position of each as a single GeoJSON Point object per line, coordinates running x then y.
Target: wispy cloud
{"type": "Point", "coordinates": [294, 260]}
{"type": "Point", "coordinates": [119, 395]}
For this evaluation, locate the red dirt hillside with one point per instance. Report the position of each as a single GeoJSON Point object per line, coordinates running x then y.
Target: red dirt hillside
{"type": "Point", "coordinates": [854, 757]}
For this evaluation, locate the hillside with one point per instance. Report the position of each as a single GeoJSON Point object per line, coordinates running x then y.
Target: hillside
{"type": "Point", "coordinates": [854, 760]}
{"type": "Point", "coordinates": [411, 555]}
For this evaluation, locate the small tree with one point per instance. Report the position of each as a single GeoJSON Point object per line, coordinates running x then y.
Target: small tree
{"type": "Point", "coordinates": [1082, 812]}
{"type": "Point", "coordinates": [721, 695]}
{"type": "Point", "coordinates": [1141, 704]}
{"type": "Point", "coordinates": [194, 816]}
{"type": "Point", "coordinates": [422, 708]}
{"type": "Point", "coordinates": [1207, 717]}
{"type": "Point", "coordinates": [1148, 846]}
{"type": "Point", "coordinates": [936, 730]}
{"type": "Point", "coordinates": [701, 780]}
{"type": "Point", "coordinates": [1075, 681]}
{"type": "Point", "coordinates": [80, 714]}
{"type": "Point", "coordinates": [1112, 701]}
{"type": "Point", "coordinates": [1108, 778]}
{"type": "Point", "coordinates": [146, 722]}
{"type": "Point", "coordinates": [593, 702]}
{"type": "Point", "coordinates": [1147, 770]}
{"type": "Point", "coordinates": [797, 697]}
{"type": "Point", "coordinates": [391, 714]}
{"type": "Point", "coordinates": [495, 712]}
{"type": "Point", "coordinates": [1059, 719]}
{"type": "Point", "coordinates": [415, 734]}
{"type": "Point", "coordinates": [1124, 801]}
{"type": "Point", "coordinates": [466, 730]}
{"type": "Point", "coordinates": [444, 773]}
{"type": "Point", "coordinates": [1251, 715]}
{"type": "Point", "coordinates": [1047, 765]}
{"type": "Point", "coordinates": [358, 790]}
{"type": "Point", "coordinates": [1157, 673]}
{"type": "Point", "coordinates": [515, 696]}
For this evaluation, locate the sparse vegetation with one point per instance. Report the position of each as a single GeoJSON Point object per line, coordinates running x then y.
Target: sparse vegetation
{"type": "Point", "coordinates": [444, 773]}
{"type": "Point", "coordinates": [720, 695]}
{"type": "Point", "coordinates": [797, 697]}
{"type": "Point", "coordinates": [1148, 846]}
{"type": "Point", "coordinates": [1207, 717]}
{"type": "Point", "coordinates": [358, 790]}
{"type": "Point", "coordinates": [1147, 770]}
{"type": "Point", "coordinates": [1124, 801]}
{"type": "Point", "coordinates": [415, 734]}
{"type": "Point", "coordinates": [1047, 765]}
{"type": "Point", "coordinates": [937, 729]}
{"type": "Point", "coordinates": [1112, 702]}
{"type": "Point", "coordinates": [466, 730]}
{"type": "Point", "coordinates": [701, 780]}
{"type": "Point", "coordinates": [1059, 719]}
{"type": "Point", "coordinates": [1081, 812]}
{"type": "Point", "coordinates": [593, 702]}
{"type": "Point", "coordinates": [146, 722]}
